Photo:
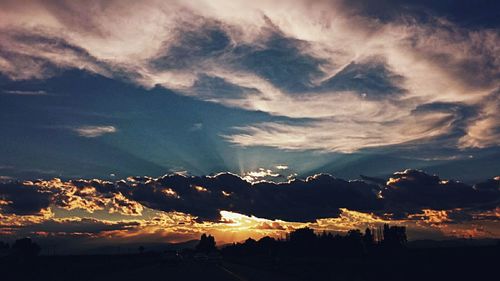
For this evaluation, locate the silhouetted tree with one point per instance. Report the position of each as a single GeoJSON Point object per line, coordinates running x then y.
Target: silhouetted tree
{"type": "Point", "coordinates": [250, 242]}
{"type": "Point", "coordinates": [266, 242]}
{"type": "Point", "coordinates": [394, 236]}
{"type": "Point", "coordinates": [353, 242]}
{"type": "Point", "coordinates": [368, 239]}
{"type": "Point", "coordinates": [267, 245]}
{"type": "Point", "coordinates": [141, 249]}
{"type": "Point", "coordinates": [302, 235]}
{"type": "Point", "coordinates": [206, 244]}
{"type": "Point", "coordinates": [354, 234]}
{"type": "Point", "coordinates": [4, 248]}
{"type": "Point", "coordinates": [25, 248]}
{"type": "Point", "coordinates": [304, 242]}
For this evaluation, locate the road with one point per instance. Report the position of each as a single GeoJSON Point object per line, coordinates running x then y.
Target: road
{"type": "Point", "coordinates": [193, 271]}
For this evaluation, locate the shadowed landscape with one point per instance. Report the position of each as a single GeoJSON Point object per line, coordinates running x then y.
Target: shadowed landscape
{"type": "Point", "coordinates": [376, 254]}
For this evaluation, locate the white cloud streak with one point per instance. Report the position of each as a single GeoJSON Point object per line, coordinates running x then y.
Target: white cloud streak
{"type": "Point", "coordinates": [94, 131]}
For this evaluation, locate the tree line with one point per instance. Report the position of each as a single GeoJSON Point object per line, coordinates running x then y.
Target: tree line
{"type": "Point", "coordinates": [23, 248]}
{"type": "Point", "coordinates": [305, 242]}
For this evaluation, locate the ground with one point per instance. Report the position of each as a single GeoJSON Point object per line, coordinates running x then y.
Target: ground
{"type": "Point", "coordinates": [464, 263]}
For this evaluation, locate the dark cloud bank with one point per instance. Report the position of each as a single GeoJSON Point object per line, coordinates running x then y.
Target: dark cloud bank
{"type": "Point", "coordinates": [320, 196]}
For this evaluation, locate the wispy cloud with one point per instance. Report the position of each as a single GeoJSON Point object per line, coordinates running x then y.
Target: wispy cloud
{"type": "Point", "coordinates": [25, 93]}
{"type": "Point", "coordinates": [343, 134]}
{"type": "Point", "coordinates": [357, 75]}
{"type": "Point", "coordinates": [484, 130]}
{"type": "Point", "coordinates": [94, 131]}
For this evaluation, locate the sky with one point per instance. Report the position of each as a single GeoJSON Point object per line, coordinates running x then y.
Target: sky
{"type": "Point", "coordinates": [160, 120]}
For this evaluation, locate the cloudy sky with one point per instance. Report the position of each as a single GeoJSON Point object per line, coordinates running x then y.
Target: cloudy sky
{"type": "Point", "coordinates": [219, 95]}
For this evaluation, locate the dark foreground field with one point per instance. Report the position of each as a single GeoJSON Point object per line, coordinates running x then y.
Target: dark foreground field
{"type": "Point", "coordinates": [464, 263]}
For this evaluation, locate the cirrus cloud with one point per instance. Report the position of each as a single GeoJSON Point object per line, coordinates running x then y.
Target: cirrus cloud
{"type": "Point", "coordinates": [357, 76]}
